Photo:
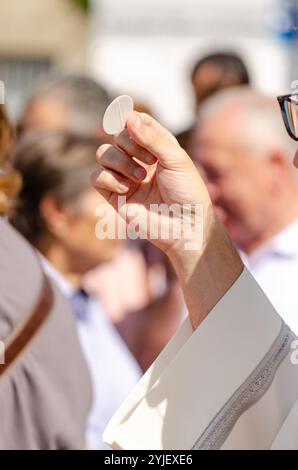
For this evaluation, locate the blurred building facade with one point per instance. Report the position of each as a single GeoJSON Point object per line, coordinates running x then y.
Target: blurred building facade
{"type": "Point", "coordinates": [147, 48]}
{"type": "Point", "coordinates": [38, 36]}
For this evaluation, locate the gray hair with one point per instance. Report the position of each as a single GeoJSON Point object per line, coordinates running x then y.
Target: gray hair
{"type": "Point", "coordinates": [263, 121]}
{"type": "Point", "coordinates": [85, 98]}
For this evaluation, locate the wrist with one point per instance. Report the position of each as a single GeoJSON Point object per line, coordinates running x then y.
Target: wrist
{"type": "Point", "coordinates": [206, 274]}
{"type": "Point", "coordinates": [185, 252]}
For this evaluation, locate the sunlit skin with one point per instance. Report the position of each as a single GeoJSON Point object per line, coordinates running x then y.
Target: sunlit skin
{"type": "Point", "coordinates": [296, 159]}
{"type": "Point", "coordinates": [46, 113]}
{"type": "Point", "coordinates": [208, 78]}
{"type": "Point", "coordinates": [204, 274]}
{"type": "Point", "coordinates": [49, 113]}
{"type": "Point", "coordinates": [71, 244]}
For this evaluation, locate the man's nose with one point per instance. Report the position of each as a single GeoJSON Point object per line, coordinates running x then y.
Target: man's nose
{"type": "Point", "coordinates": [296, 160]}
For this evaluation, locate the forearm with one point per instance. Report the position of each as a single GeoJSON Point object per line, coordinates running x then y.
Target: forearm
{"type": "Point", "coordinates": [207, 274]}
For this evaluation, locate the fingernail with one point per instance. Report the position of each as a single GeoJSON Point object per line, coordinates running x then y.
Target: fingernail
{"type": "Point", "coordinates": [123, 187]}
{"type": "Point", "coordinates": [139, 173]}
{"type": "Point", "coordinates": [137, 121]}
{"type": "Point", "coordinates": [150, 160]}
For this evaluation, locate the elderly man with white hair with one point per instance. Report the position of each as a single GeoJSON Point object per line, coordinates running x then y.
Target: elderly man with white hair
{"type": "Point", "coordinates": [245, 155]}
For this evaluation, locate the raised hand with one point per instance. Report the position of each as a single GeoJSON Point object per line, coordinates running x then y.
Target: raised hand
{"type": "Point", "coordinates": [148, 166]}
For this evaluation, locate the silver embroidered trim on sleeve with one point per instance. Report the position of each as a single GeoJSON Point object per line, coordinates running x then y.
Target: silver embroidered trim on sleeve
{"type": "Point", "coordinates": [247, 394]}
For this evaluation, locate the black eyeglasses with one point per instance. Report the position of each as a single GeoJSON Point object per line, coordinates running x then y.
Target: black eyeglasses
{"type": "Point", "coordinates": [289, 108]}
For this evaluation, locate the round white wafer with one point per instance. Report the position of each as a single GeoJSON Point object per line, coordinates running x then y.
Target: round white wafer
{"type": "Point", "coordinates": [116, 114]}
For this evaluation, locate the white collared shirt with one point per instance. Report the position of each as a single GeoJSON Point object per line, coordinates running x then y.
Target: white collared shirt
{"type": "Point", "coordinates": [275, 267]}
{"type": "Point", "coordinates": [114, 371]}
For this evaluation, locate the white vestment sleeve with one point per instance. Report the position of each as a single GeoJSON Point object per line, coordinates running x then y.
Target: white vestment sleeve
{"type": "Point", "coordinates": [287, 438]}
{"type": "Point", "coordinates": [229, 384]}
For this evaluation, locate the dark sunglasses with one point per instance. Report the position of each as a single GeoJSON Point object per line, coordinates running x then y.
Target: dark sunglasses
{"type": "Point", "coordinates": [289, 109]}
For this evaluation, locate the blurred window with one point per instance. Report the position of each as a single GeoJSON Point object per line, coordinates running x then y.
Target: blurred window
{"type": "Point", "coordinates": [18, 76]}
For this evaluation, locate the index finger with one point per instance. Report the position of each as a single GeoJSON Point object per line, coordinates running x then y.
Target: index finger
{"type": "Point", "coordinates": [156, 139]}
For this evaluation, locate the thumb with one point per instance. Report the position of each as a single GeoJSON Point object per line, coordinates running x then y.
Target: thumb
{"type": "Point", "coordinates": [157, 140]}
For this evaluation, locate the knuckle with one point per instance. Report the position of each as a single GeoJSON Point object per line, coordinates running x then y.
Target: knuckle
{"type": "Point", "coordinates": [145, 156]}
{"type": "Point", "coordinates": [146, 136]}
{"type": "Point", "coordinates": [125, 142]}
{"type": "Point", "coordinates": [120, 138]}
{"type": "Point", "coordinates": [146, 118]}
{"type": "Point", "coordinates": [104, 180]}
{"type": "Point", "coordinates": [95, 177]}
{"type": "Point", "coordinates": [107, 178]}
{"type": "Point", "coordinates": [123, 161]}
{"type": "Point", "coordinates": [101, 151]}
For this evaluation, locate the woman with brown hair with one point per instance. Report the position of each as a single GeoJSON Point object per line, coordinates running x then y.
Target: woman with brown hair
{"type": "Point", "coordinates": [44, 383]}
{"type": "Point", "coordinates": [59, 213]}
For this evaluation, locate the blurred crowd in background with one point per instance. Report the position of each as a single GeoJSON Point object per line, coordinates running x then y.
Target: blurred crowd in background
{"type": "Point", "coordinates": [125, 298]}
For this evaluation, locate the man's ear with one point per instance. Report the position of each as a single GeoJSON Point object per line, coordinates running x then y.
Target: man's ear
{"type": "Point", "coordinates": [280, 165]}
{"type": "Point", "coordinates": [55, 216]}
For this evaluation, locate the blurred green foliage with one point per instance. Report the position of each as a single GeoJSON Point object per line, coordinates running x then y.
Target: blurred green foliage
{"type": "Point", "coordinates": [83, 4]}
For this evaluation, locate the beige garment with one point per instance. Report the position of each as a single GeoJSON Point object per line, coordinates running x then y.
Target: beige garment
{"type": "Point", "coordinates": [121, 285]}
{"type": "Point", "coordinates": [45, 396]}
{"type": "Point", "coordinates": [231, 384]}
